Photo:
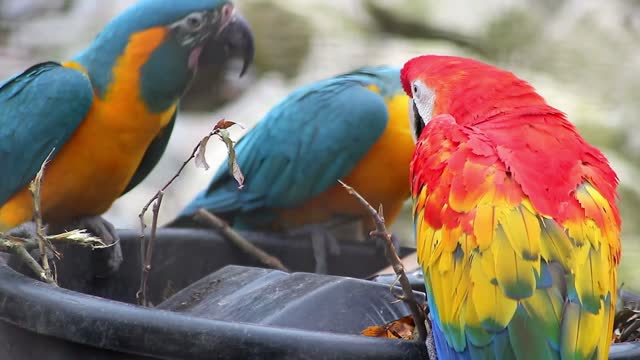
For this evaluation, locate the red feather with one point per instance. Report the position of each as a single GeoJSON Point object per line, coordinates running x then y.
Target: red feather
{"type": "Point", "coordinates": [506, 191]}
{"type": "Point", "coordinates": [502, 117]}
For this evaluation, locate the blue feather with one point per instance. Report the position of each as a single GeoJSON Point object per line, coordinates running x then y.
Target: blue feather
{"type": "Point", "coordinates": [101, 56]}
{"type": "Point", "coordinates": [33, 122]}
{"type": "Point", "coordinates": [314, 137]}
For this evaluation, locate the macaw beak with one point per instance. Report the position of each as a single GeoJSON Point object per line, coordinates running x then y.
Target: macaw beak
{"type": "Point", "coordinates": [418, 123]}
{"type": "Point", "coordinates": [233, 39]}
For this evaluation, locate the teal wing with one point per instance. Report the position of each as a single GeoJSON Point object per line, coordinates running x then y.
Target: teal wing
{"type": "Point", "coordinates": [41, 108]}
{"type": "Point", "coordinates": [152, 155]}
{"type": "Point", "coordinates": [302, 147]}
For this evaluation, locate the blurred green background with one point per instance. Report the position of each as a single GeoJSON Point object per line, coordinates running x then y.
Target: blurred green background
{"type": "Point", "coordinates": [582, 55]}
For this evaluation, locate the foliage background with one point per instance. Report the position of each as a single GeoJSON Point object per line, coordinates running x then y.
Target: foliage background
{"type": "Point", "coordinates": [582, 55]}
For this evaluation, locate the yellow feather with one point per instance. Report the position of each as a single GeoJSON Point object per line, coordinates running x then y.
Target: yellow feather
{"type": "Point", "coordinates": [492, 307]}
{"type": "Point", "coordinates": [514, 274]}
{"type": "Point", "coordinates": [461, 283]}
{"type": "Point", "coordinates": [445, 264]}
{"type": "Point", "coordinates": [443, 292]}
{"type": "Point", "coordinates": [422, 241]}
{"type": "Point", "coordinates": [474, 327]}
{"type": "Point", "coordinates": [532, 227]}
{"type": "Point", "coordinates": [605, 341]}
{"type": "Point", "coordinates": [436, 247]}
{"type": "Point", "coordinates": [483, 226]}
{"type": "Point", "coordinates": [480, 290]}
{"type": "Point", "coordinates": [418, 204]}
{"type": "Point", "coordinates": [467, 242]}
{"type": "Point", "coordinates": [581, 332]}
{"type": "Point", "coordinates": [487, 262]}
{"type": "Point", "coordinates": [545, 307]}
{"type": "Point", "coordinates": [592, 281]}
{"type": "Point", "coordinates": [451, 238]}
{"type": "Point", "coordinates": [555, 244]}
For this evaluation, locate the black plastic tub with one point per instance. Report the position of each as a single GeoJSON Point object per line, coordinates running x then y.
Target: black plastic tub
{"type": "Point", "coordinates": [204, 311]}
{"type": "Point", "coordinates": [623, 351]}
{"type": "Point", "coordinates": [38, 321]}
{"type": "Point", "coordinates": [183, 256]}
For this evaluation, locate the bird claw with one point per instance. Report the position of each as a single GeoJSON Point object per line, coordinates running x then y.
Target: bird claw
{"type": "Point", "coordinates": [106, 261]}
{"type": "Point", "coordinates": [28, 232]}
{"type": "Point", "coordinates": [323, 243]}
{"type": "Point", "coordinates": [25, 231]}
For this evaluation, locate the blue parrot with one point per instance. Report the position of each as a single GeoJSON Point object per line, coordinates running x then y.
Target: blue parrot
{"type": "Point", "coordinates": [353, 127]}
{"type": "Point", "coordinates": [105, 116]}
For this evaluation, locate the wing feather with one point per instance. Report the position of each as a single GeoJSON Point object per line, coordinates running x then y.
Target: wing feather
{"type": "Point", "coordinates": [41, 108]}
{"type": "Point", "coordinates": [529, 272]}
{"type": "Point", "coordinates": [317, 135]}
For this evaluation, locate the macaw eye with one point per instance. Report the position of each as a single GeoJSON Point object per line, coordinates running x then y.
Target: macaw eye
{"type": "Point", "coordinates": [415, 89]}
{"type": "Point", "coordinates": [194, 22]}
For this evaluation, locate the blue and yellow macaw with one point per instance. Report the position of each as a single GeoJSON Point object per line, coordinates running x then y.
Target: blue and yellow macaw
{"type": "Point", "coordinates": [352, 127]}
{"type": "Point", "coordinates": [105, 116]}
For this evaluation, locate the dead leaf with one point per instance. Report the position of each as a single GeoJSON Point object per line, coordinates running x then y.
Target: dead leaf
{"type": "Point", "coordinates": [626, 325]}
{"type": "Point", "coordinates": [234, 168]}
{"type": "Point", "coordinates": [223, 124]}
{"type": "Point", "coordinates": [397, 329]}
{"type": "Point", "coordinates": [201, 159]}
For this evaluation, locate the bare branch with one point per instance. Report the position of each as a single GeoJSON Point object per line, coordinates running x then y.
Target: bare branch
{"type": "Point", "coordinates": [24, 255]}
{"type": "Point", "coordinates": [21, 247]}
{"type": "Point", "coordinates": [148, 254]}
{"type": "Point", "coordinates": [237, 239]}
{"type": "Point", "coordinates": [146, 247]}
{"type": "Point", "coordinates": [382, 233]}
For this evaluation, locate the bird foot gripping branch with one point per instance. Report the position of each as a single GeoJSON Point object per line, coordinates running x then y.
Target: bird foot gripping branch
{"type": "Point", "coordinates": [31, 237]}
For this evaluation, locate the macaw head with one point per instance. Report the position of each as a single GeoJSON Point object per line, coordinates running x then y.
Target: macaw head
{"type": "Point", "coordinates": [155, 45]}
{"type": "Point", "coordinates": [467, 89]}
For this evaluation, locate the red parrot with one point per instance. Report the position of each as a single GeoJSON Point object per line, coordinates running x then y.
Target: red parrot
{"type": "Point", "coordinates": [517, 227]}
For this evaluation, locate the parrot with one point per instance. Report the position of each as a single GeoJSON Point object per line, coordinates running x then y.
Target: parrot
{"type": "Point", "coordinates": [516, 223]}
{"type": "Point", "coordinates": [103, 118]}
{"type": "Point", "coordinates": [351, 127]}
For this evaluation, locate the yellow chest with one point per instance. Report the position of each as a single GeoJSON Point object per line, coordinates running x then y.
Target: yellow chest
{"type": "Point", "coordinates": [381, 176]}
{"type": "Point", "coordinates": [95, 165]}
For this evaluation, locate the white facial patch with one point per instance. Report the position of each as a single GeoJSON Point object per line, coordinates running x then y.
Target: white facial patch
{"type": "Point", "coordinates": [424, 99]}
{"type": "Point", "coordinates": [190, 29]}
{"type": "Point", "coordinates": [422, 102]}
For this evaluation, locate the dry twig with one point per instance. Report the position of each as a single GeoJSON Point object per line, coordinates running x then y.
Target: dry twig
{"type": "Point", "coordinates": [146, 247]}
{"type": "Point", "coordinates": [239, 241]}
{"type": "Point", "coordinates": [21, 246]}
{"type": "Point", "coordinates": [34, 187]}
{"type": "Point", "coordinates": [382, 233]}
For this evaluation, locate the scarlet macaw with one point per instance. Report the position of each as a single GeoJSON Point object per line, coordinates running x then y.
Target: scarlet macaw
{"type": "Point", "coordinates": [517, 227]}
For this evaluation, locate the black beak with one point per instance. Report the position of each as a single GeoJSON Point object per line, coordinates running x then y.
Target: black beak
{"type": "Point", "coordinates": [235, 40]}
{"type": "Point", "coordinates": [418, 122]}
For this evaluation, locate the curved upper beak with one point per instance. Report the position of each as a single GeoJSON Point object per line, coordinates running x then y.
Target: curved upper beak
{"type": "Point", "coordinates": [233, 39]}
